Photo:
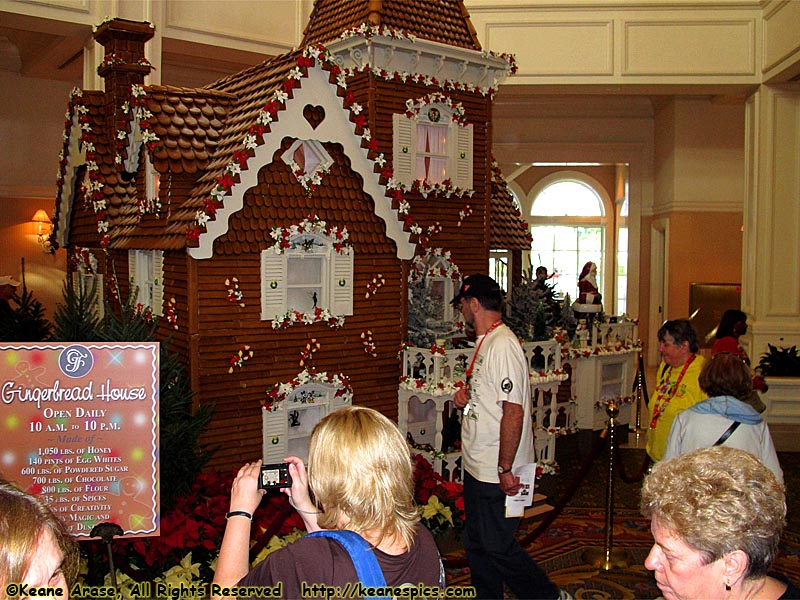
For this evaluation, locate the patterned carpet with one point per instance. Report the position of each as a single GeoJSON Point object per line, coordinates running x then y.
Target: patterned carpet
{"type": "Point", "coordinates": [560, 551]}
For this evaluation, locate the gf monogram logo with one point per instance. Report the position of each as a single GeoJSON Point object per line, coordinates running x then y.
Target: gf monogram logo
{"type": "Point", "coordinates": [75, 361]}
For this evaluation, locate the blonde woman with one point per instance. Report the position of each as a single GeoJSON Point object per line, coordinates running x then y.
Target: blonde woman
{"type": "Point", "coordinates": [360, 476]}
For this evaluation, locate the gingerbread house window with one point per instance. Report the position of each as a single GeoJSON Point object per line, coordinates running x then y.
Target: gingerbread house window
{"type": "Point", "coordinates": [440, 277]}
{"type": "Point", "coordinates": [442, 288]}
{"type": "Point", "coordinates": [130, 165]}
{"type": "Point", "coordinates": [431, 145]}
{"type": "Point", "coordinates": [308, 160]}
{"type": "Point", "coordinates": [305, 272]}
{"type": "Point", "coordinates": [146, 273]}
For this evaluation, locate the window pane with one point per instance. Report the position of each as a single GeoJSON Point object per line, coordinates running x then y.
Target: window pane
{"type": "Point", "coordinates": [622, 270]}
{"type": "Point", "coordinates": [567, 198]}
{"type": "Point", "coordinates": [498, 268]}
{"type": "Point", "coordinates": [543, 239]}
{"type": "Point", "coordinates": [564, 250]}
{"type": "Point", "coordinates": [304, 270]}
{"type": "Point", "coordinates": [565, 238]}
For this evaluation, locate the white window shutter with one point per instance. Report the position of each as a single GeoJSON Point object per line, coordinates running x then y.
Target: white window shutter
{"type": "Point", "coordinates": [341, 283]}
{"type": "Point", "coordinates": [78, 282]}
{"type": "Point", "coordinates": [273, 285]}
{"type": "Point", "coordinates": [151, 182]}
{"type": "Point", "coordinates": [82, 284]}
{"type": "Point", "coordinates": [404, 148]}
{"type": "Point", "coordinates": [132, 268]}
{"type": "Point", "coordinates": [275, 433]}
{"type": "Point", "coordinates": [134, 140]}
{"type": "Point", "coordinates": [158, 283]}
{"type": "Point", "coordinates": [462, 173]}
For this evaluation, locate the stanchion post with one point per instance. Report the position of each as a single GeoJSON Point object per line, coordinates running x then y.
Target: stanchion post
{"type": "Point", "coordinates": [606, 557]}
{"type": "Point", "coordinates": [639, 376]}
{"type": "Point", "coordinates": [107, 532]}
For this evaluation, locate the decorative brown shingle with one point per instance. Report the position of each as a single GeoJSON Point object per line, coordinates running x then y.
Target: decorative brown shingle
{"type": "Point", "coordinates": [188, 123]}
{"type": "Point", "coordinates": [447, 22]}
{"type": "Point", "coordinates": [509, 231]}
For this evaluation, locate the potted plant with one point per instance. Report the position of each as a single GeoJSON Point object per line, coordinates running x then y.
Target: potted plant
{"type": "Point", "coordinates": [780, 362]}
{"type": "Point", "coordinates": [780, 366]}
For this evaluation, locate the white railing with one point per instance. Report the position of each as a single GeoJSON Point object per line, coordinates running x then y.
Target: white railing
{"type": "Point", "coordinates": [543, 356]}
{"type": "Point", "coordinates": [610, 334]}
{"type": "Point", "coordinates": [442, 365]}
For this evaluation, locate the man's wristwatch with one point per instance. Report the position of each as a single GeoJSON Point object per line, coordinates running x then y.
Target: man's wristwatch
{"type": "Point", "coordinates": [502, 470]}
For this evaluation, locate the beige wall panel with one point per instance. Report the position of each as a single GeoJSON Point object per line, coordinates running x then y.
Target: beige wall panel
{"type": "Point", "coordinates": [556, 48]}
{"type": "Point", "coordinates": [50, 9]}
{"type": "Point", "coordinates": [784, 242]}
{"type": "Point", "coordinates": [781, 35]}
{"type": "Point", "coordinates": [664, 161]}
{"type": "Point", "coordinates": [31, 127]}
{"type": "Point", "coordinates": [750, 219]}
{"type": "Point", "coordinates": [245, 24]}
{"type": "Point", "coordinates": [709, 155]}
{"type": "Point", "coordinates": [721, 48]}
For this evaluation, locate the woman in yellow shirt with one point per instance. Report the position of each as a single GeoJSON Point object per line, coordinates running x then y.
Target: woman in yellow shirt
{"type": "Point", "coordinates": [678, 386]}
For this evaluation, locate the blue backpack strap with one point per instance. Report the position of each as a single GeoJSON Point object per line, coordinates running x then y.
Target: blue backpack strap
{"type": "Point", "coordinates": [367, 568]}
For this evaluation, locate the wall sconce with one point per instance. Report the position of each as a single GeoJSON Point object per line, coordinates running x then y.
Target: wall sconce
{"type": "Point", "coordinates": [45, 228]}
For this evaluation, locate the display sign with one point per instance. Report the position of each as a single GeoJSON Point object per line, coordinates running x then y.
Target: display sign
{"type": "Point", "coordinates": [79, 427]}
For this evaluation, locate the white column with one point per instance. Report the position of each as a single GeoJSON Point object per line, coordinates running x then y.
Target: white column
{"type": "Point", "coordinates": [771, 242]}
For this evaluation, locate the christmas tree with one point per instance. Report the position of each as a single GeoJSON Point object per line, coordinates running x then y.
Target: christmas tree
{"type": "Point", "coordinates": [76, 319]}
{"type": "Point", "coordinates": [533, 308]}
{"type": "Point", "coordinates": [28, 322]}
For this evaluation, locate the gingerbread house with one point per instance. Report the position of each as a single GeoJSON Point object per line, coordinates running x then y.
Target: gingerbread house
{"type": "Point", "coordinates": [270, 219]}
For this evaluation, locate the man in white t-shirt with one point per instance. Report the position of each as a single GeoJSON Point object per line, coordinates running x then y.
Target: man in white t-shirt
{"type": "Point", "coordinates": [496, 437]}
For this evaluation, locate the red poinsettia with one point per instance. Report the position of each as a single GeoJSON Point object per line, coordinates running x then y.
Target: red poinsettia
{"type": "Point", "coordinates": [197, 522]}
{"type": "Point", "coordinates": [428, 482]}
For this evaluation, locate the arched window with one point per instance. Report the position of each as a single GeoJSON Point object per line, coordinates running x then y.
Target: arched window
{"type": "Point", "coordinates": [568, 221]}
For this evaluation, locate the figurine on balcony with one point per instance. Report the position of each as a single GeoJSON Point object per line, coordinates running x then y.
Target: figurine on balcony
{"type": "Point", "coordinates": [587, 285]}
{"type": "Point", "coordinates": [589, 298]}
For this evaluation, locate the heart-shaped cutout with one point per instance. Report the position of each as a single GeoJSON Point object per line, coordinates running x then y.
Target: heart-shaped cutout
{"type": "Point", "coordinates": [314, 115]}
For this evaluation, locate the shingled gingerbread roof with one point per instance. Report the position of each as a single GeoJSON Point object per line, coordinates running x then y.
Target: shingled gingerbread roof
{"type": "Point", "coordinates": [198, 138]}
{"type": "Point", "coordinates": [189, 124]}
{"type": "Point", "coordinates": [508, 230]}
{"type": "Point", "coordinates": [200, 131]}
{"type": "Point", "coordinates": [451, 24]}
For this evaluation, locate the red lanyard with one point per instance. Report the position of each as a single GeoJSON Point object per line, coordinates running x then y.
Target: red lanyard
{"type": "Point", "coordinates": [493, 326]}
{"type": "Point", "coordinates": [658, 409]}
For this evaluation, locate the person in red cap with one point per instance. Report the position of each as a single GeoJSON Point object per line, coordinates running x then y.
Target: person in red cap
{"type": "Point", "coordinates": [496, 437]}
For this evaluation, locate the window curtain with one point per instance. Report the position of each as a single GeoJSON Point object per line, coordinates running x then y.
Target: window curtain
{"type": "Point", "coordinates": [431, 152]}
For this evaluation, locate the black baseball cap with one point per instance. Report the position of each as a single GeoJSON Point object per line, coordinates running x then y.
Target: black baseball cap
{"type": "Point", "coordinates": [477, 286]}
